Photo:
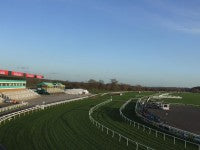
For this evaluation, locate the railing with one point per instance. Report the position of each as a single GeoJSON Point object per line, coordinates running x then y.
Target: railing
{"type": "Point", "coordinates": [151, 130]}
{"type": "Point", "coordinates": [172, 130]}
{"type": "Point", "coordinates": [112, 132]}
{"type": "Point", "coordinates": [11, 116]}
{"type": "Point", "coordinates": [3, 109]}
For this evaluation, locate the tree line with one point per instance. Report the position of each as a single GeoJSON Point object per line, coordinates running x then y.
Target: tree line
{"type": "Point", "coordinates": [113, 85]}
{"type": "Point", "coordinates": [94, 85]}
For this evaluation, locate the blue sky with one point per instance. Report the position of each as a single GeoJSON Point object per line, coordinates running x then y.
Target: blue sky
{"type": "Point", "coordinates": [147, 42]}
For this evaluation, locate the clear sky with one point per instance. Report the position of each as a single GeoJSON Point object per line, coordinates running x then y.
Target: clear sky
{"type": "Point", "coordinates": [147, 42]}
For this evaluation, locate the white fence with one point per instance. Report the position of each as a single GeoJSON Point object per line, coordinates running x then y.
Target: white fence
{"type": "Point", "coordinates": [11, 116]}
{"type": "Point", "coordinates": [112, 132]}
{"type": "Point", "coordinates": [3, 109]}
{"type": "Point", "coordinates": [172, 130]}
{"type": "Point", "coordinates": [151, 130]}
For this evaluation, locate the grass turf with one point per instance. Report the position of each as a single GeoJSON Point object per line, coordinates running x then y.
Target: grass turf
{"type": "Point", "coordinates": [187, 98]}
{"type": "Point", "coordinates": [68, 127]}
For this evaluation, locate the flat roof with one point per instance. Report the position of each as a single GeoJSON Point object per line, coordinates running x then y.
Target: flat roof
{"type": "Point", "coordinates": [11, 81]}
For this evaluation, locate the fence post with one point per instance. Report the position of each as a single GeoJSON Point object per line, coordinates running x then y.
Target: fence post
{"type": "Point", "coordinates": [113, 134]}
{"type": "Point", "coordinates": [127, 142]}
{"type": "Point", "coordinates": [143, 128]}
{"type": "Point", "coordinates": [136, 146]}
{"type": "Point", "coordinates": [156, 133]}
{"type": "Point", "coordinates": [119, 137]}
{"type": "Point", "coordinates": [149, 130]}
{"type": "Point", "coordinates": [138, 125]}
{"type": "Point", "coordinates": [174, 140]}
{"type": "Point", "coordinates": [102, 128]}
{"type": "Point", "coordinates": [185, 144]}
{"type": "Point", "coordinates": [107, 130]}
{"type": "Point", "coordinates": [164, 136]}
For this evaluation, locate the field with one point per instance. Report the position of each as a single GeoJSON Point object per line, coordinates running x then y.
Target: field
{"type": "Point", "coordinates": [188, 98]}
{"type": "Point", "coordinates": [68, 127]}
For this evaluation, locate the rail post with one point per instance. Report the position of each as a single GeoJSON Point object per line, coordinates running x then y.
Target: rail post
{"type": "Point", "coordinates": [136, 146]}
{"type": "Point", "coordinates": [119, 137]}
{"type": "Point", "coordinates": [113, 134]}
{"type": "Point", "coordinates": [185, 144]}
{"type": "Point", "coordinates": [149, 130]}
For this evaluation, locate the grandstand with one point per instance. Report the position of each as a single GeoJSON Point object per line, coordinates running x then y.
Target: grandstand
{"type": "Point", "coordinates": [50, 88]}
{"type": "Point", "coordinates": [15, 90]}
{"type": "Point", "coordinates": [13, 86]}
{"type": "Point", "coordinates": [20, 95]}
{"type": "Point", "coordinates": [1, 100]}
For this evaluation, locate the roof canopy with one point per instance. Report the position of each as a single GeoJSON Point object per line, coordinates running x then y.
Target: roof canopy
{"type": "Point", "coordinates": [48, 84]}
{"type": "Point", "coordinates": [12, 81]}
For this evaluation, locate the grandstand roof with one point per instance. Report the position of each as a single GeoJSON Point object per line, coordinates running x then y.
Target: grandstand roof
{"type": "Point", "coordinates": [58, 84]}
{"type": "Point", "coordinates": [11, 81]}
{"type": "Point", "coordinates": [46, 84]}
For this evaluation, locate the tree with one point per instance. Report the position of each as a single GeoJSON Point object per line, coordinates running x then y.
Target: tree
{"type": "Point", "coordinates": [101, 81]}
{"type": "Point", "coordinates": [114, 81]}
{"type": "Point", "coordinates": [92, 81]}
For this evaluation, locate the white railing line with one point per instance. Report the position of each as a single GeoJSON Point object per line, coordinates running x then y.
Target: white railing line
{"type": "Point", "coordinates": [165, 125]}
{"type": "Point", "coordinates": [108, 129]}
{"type": "Point", "coordinates": [38, 107]}
{"type": "Point", "coordinates": [149, 128]}
{"type": "Point", "coordinates": [4, 109]}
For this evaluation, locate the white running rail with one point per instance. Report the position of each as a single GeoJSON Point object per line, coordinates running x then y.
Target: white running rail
{"type": "Point", "coordinates": [11, 116]}
{"type": "Point", "coordinates": [108, 130]}
{"type": "Point", "coordinates": [151, 130]}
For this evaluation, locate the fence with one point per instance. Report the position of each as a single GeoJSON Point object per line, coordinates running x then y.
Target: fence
{"type": "Point", "coordinates": [3, 109]}
{"type": "Point", "coordinates": [186, 136]}
{"type": "Point", "coordinates": [113, 133]}
{"type": "Point", "coordinates": [11, 116]}
{"type": "Point", "coordinates": [151, 130]}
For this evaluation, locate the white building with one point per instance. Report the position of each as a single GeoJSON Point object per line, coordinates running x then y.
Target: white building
{"type": "Point", "coordinates": [76, 91]}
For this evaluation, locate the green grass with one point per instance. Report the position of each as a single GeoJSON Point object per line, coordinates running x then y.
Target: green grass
{"type": "Point", "coordinates": [68, 127]}
{"type": "Point", "coordinates": [109, 116]}
{"type": "Point", "coordinates": [187, 98]}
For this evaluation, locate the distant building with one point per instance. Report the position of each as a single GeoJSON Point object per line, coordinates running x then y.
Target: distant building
{"type": "Point", "coordinates": [49, 88]}
{"type": "Point", "coordinates": [15, 90]}
{"type": "Point", "coordinates": [76, 91]}
{"type": "Point", "coordinates": [12, 84]}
